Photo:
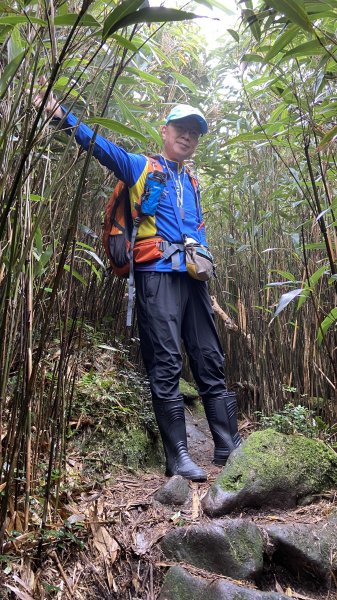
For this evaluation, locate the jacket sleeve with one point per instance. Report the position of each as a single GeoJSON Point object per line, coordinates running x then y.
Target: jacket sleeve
{"type": "Point", "coordinates": [127, 166]}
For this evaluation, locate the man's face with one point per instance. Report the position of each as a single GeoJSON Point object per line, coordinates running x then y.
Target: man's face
{"type": "Point", "coordinates": [180, 138]}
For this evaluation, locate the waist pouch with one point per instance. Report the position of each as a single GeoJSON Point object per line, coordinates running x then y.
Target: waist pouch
{"type": "Point", "coordinates": [147, 249]}
{"type": "Point", "coordinates": [199, 262]}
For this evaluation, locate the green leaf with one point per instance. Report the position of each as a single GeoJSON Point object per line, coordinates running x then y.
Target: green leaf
{"type": "Point", "coordinates": [282, 41]}
{"type": "Point", "coordinates": [21, 20]}
{"type": "Point", "coordinates": [122, 41]}
{"type": "Point", "coordinates": [312, 48]}
{"type": "Point", "coordinates": [285, 274]}
{"type": "Point", "coordinates": [75, 274]}
{"type": "Point", "coordinates": [117, 127]}
{"type": "Point", "coordinates": [234, 34]}
{"type": "Point", "coordinates": [326, 324]}
{"type": "Point", "coordinates": [294, 11]}
{"type": "Point", "coordinates": [15, 44]}
{"type": "Point", "coordinates": [94, 256]}
{"type": "Point", "coordinates": [149, 15]}
{"type": "Point", "coordinates": [328, 137]}
{"type": "Point", "coordinates": [185, 81]}
{"type": "Point", "coordinates": [146, 76]}
{"type": "Point", "coordinates": [285, 300]}
{"type": "Point", "coordinates": [248, 58]}
{"type": "Point", "coordinates": [70, 19]}
{"type": "Point", "coordinates": [119, 13]}
{"type": "Point", "coordinates": [9, 72]}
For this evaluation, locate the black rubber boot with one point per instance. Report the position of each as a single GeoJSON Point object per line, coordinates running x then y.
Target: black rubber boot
{"type": "Point", "coordinates": [170, 417]}
{"type": "Point", "coordinates": [221, 413]}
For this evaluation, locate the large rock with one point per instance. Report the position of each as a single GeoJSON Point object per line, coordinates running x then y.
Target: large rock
{"type": "Point", "coordinates": [306, 549]}
{"type": "Point", "coordinates": [233, 548]}
{"type": "Point", "coordinates": [272, 469]}
{"type": "Point", "coordinates": [174, 491]}
{"type": "Point", "coordinates": [180, 585]}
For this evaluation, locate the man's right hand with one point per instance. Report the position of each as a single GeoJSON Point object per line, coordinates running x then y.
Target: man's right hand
{"type": "Point", "coordinates": [52, 106]}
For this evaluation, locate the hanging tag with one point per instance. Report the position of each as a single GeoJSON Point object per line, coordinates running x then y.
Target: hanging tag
{"type": "Point", "coordinates": [182, 212]}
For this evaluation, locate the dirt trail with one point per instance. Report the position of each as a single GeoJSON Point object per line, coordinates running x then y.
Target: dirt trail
{"type": "Point", "coordinates": [120, 527]}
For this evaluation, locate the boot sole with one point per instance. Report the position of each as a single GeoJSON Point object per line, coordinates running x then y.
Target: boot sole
{"type": "Point", "coordinates": [190, 477]}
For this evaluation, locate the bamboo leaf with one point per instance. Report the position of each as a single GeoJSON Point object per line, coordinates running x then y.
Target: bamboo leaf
{"type": "Point", "coordinates": [312, 48]}
{"type": "Point", "coordinates": [328, 137]}
{"type": "Point", "coordinates": [282, 41]}
{"type": "Point", "coordinates": [285, 274]}
{"type": "Point", "coordinates": [117, 127]}
{"type": "Point", "coordinates": [185, 81]}
{"type": "Point", "coordinates": [234, 34]}
{"type": "Point", "coordinates": [70, 19]}
{"type": "Point", "coordinates": [148, 15]}
{"type": "Point", "coordinates": [285, 300]}
{"type": "Point", "coordinates": [21, 20]}
{"type": "Point", "coordinates": [9, 72]}
{"type": "Point", "coordinates": [15, 44]}
{"type": "Point", "coordinates": [75, 274]}
{"type": "Point", "coordinates": [94, 256]}
{"type": "Point", "coordinates": [294, 11]}
{"type": "Point", "coordinates": [248, 58]}
{"type": "Point", "coordinates": [330, 320]}
{"type": "Point", "coordinates": [146, 76]}
{"type": "Point", "coordinates": [118, 14]}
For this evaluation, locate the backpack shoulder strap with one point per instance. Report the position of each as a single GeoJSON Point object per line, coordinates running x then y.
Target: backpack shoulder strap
{"type": "Point", "coordinates": [153, 164]}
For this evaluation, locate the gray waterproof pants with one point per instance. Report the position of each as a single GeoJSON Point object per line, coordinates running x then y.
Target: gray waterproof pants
{"type": "Point", "coordinates": [172, 307]}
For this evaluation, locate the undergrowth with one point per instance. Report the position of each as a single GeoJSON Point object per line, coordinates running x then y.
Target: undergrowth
{"type": "Point", "coordinates": [113, 421]}
{"type": "Point", "coordinates": [298, 419]}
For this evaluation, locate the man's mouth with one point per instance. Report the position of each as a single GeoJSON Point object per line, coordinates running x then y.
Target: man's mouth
{"type": "Point", "coordinates": [183, 145]}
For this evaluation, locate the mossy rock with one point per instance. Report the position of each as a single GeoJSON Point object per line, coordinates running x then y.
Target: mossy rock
{"type": "Point", "coordinates": [272, 469]}
{"type": "Point", "coordinates": [233, 548]}
{"type": "Point", "coordinates": [179, 584]}
{"type": "Point", "coordinates": [189, 392]}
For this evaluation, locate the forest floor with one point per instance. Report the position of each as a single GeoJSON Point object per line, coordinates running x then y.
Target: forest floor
{"type": "Point", "coordinates": [110, 547]}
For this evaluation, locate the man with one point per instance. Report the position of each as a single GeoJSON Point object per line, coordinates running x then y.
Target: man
{"type": "Point", "coordinates": [171, 305]}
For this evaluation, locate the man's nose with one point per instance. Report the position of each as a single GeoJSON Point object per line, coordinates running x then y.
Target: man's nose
{"type": "Point", "coordinates": [186, 134]}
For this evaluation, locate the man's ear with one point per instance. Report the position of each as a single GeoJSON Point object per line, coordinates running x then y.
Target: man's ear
{"type": "Point", "coordinates": [163, 131]}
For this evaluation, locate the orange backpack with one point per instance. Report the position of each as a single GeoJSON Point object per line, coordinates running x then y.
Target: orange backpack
{"type": "Point", "coordinates": [118, 225]}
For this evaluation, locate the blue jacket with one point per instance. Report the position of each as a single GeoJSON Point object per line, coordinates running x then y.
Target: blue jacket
{"type": "Point", "coordinates": [132, 169]}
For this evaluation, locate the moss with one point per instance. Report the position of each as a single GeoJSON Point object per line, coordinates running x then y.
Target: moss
{"type": "Point", "coordinates": [268, 456]}
{"type": "Point", "coordinates": [188, 390]}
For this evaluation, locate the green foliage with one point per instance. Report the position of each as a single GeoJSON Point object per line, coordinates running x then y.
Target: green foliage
{"type": "Point", "coordinates": [291, 419]}
{"type": "Point", "coordinates": [298, 419]}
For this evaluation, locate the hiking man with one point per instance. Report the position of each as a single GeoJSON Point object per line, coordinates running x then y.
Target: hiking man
{"type": "Point", "coordinates": [171, 305]}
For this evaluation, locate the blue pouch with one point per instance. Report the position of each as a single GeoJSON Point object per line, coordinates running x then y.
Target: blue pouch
{"type": "Point", "coordinates": [155, 187]}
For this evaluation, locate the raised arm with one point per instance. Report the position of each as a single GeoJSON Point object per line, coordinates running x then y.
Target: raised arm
{"type": "Point", "coordinates": [127, 166]}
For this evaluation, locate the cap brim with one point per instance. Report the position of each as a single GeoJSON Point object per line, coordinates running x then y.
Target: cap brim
{"type": "Point", "coordinates": [201, 122]}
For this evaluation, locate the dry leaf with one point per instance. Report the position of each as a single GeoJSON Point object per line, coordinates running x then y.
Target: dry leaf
{"type": "Point", "coordinates": [2, 486]}
{"type": "Point", "coordinates": [19, 593]}
{"type": "Point", "coordinates": [275, 518]}
{"type": "Point", "coordinates": [104, 543]}
{"type": "Point", "coordinates": [278, 587]}
{"type": "Point", "coordinates": [76, 519]}
{"type": "Point", "coordinates": [195, 504]}
{"type": "Point", "coordinates": [288, 592]}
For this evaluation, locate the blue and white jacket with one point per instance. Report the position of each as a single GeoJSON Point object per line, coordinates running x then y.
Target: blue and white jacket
{"type": "Point", "coordinates": [132, 169]}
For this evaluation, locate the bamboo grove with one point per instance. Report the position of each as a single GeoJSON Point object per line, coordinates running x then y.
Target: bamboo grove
{"type": "Point", "coordinates": [268, 173]}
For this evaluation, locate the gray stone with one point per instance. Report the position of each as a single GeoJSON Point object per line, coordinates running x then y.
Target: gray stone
{"type": "Point", "coordinates": [272, 469]}
{"type": "Point", "coordinates": [174, 491]}
{"type": "Point", "coordinates": [305, 549]}
{"type": "Point", "coordinates": [233, 548]}
{"type": "Point", "coordinates": [180, 585]}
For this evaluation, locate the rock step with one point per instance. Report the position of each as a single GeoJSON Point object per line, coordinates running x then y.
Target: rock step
{"type": "Point", "coordinates": [240, 549]}
{"type": "Point", "coordinates": [180, 585]}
